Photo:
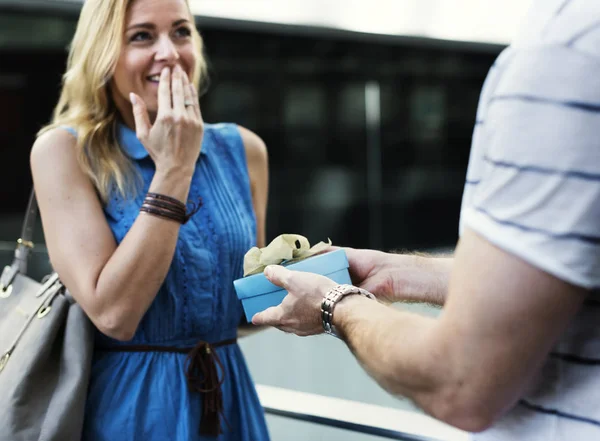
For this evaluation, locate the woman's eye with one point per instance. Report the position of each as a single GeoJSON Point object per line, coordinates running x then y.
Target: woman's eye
{"type": "Point", "coordinates": [140, 36]}
{"type": "Point", "coordinates": [183, 32]}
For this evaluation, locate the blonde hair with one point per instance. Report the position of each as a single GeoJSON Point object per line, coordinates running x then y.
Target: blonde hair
{"type": "Point", "coordinates": [85, 103]}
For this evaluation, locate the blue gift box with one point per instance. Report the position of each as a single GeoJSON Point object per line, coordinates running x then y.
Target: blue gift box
{"type": "Point", "coordinates": [258, 294]}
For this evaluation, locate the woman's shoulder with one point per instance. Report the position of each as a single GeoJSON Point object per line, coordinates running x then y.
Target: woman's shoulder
{"type": "Point", "coordinates": [256, 150]}
{"type": "Point", "coordinates": [57, 176]}
{"type": "Point", "coordinates": [234, 134]}
{"type": "Point", "coordinates": [54, 145]}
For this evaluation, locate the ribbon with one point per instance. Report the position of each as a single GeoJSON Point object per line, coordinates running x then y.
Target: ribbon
{"type": "Point", "coordinates": [283, 250]}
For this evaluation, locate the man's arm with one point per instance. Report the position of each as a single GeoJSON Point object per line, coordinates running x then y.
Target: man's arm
{"type": "Point", "coordinates": [465, 367]}
{"type": "Point", "coordinates": [471, 364]}
{"type": "Point", "coordinates": [414, 277]}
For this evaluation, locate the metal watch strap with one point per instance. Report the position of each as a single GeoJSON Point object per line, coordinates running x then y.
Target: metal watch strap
{"type": "Point", "coordinates": [332, 298]}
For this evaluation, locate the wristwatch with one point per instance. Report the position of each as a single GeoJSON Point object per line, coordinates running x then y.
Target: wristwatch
{"type": "Point", "coordinates": [332, 298]}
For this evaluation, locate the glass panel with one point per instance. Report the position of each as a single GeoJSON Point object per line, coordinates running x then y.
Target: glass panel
{"type": "Point", "coordinates": [427, 113]}
{"type": "Point", "coordinates": [305, 121]}
{"type": "Point", "coordinates": [351, 105]}
{"type": "Point", "coordinates": [304, 95]}
{"type": "Point", "coordinates": [50, 32]}
{"type": "Point", "coordinates": [304, 107]}
{"type": "Point", "coordinates": [233, 101]}
{"type": "Point", "coordinates": [350, 134]}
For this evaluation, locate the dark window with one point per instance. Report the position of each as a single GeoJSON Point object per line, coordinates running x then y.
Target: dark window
{"type": "Point", "coordinates": [305, 96]}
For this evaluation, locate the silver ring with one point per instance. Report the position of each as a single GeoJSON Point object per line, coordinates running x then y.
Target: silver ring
{"type": "Point", "coordinates": [188, 103]}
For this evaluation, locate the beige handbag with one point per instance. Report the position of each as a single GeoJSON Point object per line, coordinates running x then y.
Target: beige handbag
{"type": "Point", "coordinates": [46, 345]}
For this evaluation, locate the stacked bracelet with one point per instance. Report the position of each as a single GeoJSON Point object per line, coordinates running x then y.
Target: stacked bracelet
{"type": "Point", "coordinates": [168, 207]}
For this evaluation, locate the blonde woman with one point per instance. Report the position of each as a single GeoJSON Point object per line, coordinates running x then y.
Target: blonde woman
{"type": "Point", "coordinates": [125, 152]}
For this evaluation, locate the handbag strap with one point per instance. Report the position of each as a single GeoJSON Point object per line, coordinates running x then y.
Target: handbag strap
{"type": "Point", "coordinates": [24, 245]}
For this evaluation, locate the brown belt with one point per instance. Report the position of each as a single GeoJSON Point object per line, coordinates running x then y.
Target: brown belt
{"type": "Point", "coordinates": [202, 376]}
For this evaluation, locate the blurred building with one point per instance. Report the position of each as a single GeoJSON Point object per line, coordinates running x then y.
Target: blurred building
{"type": "Point", "coordinates": [367, 109]}
{"type": "Point", "coordinates": [368, 129]}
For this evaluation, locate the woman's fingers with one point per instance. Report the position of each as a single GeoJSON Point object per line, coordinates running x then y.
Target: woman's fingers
{"type": "Point", "coordinates": [164, 92]}
{"type": "Point", "coordinates": [190, 104]}
{"type": "Point", "coordinates": [140, 115]}
{"type": "Point", "coordinates": [196, 101]}
{"type": "Point", "coordinates": [187, 97]}
{"type": "Point", "coordinates": [176, 135]}
{"type": "Point", "coordinates": [177, 91]}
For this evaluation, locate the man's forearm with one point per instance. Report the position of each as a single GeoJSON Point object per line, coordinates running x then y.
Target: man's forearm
{"type": "Point", "coordinates": [420, 277]}
{"type": "Point", "coordinates": [396, 348]}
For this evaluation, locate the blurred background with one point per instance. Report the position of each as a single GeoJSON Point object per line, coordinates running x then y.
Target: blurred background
{"type": "Point", "coordinates": [367, 110]}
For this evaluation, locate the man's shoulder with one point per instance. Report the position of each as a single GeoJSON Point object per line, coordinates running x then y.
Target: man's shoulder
{"type": "Point", "coordinates": [571, 24]}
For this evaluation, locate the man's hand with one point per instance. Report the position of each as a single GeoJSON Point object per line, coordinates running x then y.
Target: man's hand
{"type": "Point", "coordinates": [400, 277]}
{"type": "Point", "coordinates": [373, 271]}
{"type": "Point", "coordinates": [300, 311]}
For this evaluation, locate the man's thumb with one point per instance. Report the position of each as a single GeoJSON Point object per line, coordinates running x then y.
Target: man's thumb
{"type": "Point", "coordinates": [278, 275]}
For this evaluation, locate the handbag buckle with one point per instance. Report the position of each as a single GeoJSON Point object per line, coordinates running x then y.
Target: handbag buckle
{"type": "Point", "coordinates": [4, 360]}
{"type": "Point", "coordinates": [6, 280]}
{"type": "Point", "coordinates": [26, 243]}
{"type": "Point", "coordinates": [43, 312]}
{"type": "Point", "coordinates": [5, 291]}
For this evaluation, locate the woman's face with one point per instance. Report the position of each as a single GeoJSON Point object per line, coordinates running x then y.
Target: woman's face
{"type": "Point", "coordinates": [157, 33]}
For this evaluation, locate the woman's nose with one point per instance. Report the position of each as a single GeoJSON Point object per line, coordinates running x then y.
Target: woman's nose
{"type": "Point", "coordinates": [166, 51]}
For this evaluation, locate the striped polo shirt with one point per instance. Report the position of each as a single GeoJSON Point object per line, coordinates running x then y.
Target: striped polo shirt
{"type": "Point", "coordinates": [533, 189]}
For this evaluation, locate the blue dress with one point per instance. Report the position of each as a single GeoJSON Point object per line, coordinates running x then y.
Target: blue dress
{"type": "Point", "coordinates": [144, 395]}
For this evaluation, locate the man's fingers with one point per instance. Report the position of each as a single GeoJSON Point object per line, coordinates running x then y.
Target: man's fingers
{"type": "Point", "coordinates": [140, 115]}
{"type": "Point", "coordinates": [270, 316]}
{"type": "Point", "coordinates": [352, 254]}
{"type": "Point", "coordinates": [279, 275]}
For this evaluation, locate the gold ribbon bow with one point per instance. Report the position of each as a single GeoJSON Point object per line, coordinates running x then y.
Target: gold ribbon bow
{"type": "Point", "coordinates": [284, 249]}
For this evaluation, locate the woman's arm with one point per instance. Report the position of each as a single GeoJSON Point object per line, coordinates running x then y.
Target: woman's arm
{"type": "Point", "coordinates": [115, 285]}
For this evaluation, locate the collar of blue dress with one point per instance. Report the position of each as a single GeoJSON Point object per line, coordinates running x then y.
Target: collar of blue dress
{"type": "Point", "coordinates": [134, 148]}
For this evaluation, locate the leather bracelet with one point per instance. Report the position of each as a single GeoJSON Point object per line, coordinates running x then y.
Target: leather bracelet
{"type": "Point", "coordinates": [163, 213]}
{"type": "Point", "coordinates": [167, 207]}
{"type": "Point", "coordinates": [166, 198]}
{"type": "Point", "coordinates": [172, 212]}
{"type": "Point", "coordinates": [331, 299]}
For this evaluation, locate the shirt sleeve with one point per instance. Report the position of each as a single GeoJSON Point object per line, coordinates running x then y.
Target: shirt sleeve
{"type": "Point", "coordinates": [537, 195]}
